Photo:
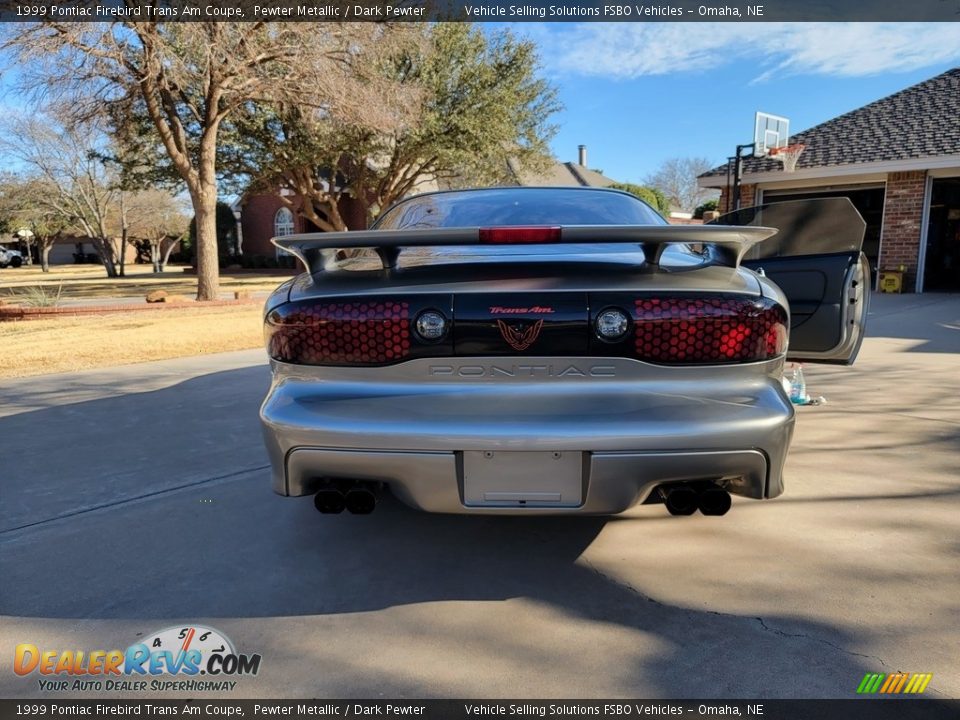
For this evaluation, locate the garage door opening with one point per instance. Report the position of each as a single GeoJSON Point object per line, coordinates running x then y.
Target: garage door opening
{"type": "Point", "coordinates": [941, 270]}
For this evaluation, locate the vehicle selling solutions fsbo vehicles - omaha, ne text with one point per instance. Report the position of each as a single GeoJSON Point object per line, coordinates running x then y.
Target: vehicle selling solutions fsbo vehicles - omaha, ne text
{"type": "Point", "coordinates": [553, 350]}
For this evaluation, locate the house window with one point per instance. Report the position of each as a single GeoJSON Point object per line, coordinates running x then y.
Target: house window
{"type": "Point", "coordinates": [283, 222]}
{"type": "Point", "coordinates": [283, 225]}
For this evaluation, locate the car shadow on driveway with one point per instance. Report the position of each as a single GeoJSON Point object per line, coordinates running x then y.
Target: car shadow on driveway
{"type": "Point", "coordinates": [256, 556]}
{"type": "Point", "coordinates": [189, 528]}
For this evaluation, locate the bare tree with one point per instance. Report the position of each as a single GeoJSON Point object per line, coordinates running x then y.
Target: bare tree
{"type": "Point", "coordinates": [676, 178]}
{"type": "Point", "coordinates": [71, 184]}
{"type": "Point", "coordinates": [46, 231]}
{"type": "Point", "coordinates": [47, 227]}
{"type": "Point", "coordinates": [159, 220]}
{"type": "Point", "coordinates": [187, 78]}
{"type": "Point", "coordinates": [24, 206]}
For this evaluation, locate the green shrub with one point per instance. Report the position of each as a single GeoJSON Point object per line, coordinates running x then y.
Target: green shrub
{"type": "Point", "coordinates": [701, 209]}
{"type": "Point", "coordinates": [651, 196]}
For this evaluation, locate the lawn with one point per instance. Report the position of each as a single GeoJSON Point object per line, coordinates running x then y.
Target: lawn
{"type": "Point", "coordinates": [91, 282]}
{"type": "Point", "coordinates": [35, 347]}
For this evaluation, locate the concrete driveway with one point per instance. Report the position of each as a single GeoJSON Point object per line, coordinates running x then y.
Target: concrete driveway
{"type": "Point", "coordinates": [137, 498]}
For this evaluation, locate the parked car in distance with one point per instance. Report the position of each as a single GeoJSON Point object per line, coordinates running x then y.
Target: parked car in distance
{"type": "Point", "coordinates": [553, 351]}
{"type": "Point", "coordinates": [10, 258]}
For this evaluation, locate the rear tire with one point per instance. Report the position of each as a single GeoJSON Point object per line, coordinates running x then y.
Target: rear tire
{"type": "Point", "coordinates": [16, 262]}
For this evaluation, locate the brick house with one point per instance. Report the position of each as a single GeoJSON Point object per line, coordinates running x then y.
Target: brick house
{"type": "Point", "coordinates": [266, 215]}
{"type": "Point", "coordinates": [898, 160]}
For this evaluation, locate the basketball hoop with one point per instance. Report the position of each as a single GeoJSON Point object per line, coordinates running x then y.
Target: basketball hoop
{"type": "Point", "coordinates": [788, 155]}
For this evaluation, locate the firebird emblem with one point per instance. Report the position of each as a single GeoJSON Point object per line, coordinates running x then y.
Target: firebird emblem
{"type": "Point", "coordinates": [520, 338]}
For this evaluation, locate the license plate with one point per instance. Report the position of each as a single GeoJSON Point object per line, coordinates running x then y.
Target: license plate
{"type": "Point", "coordinates": [522, 479]}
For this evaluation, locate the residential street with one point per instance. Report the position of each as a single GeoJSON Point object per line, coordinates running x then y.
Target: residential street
{"type": "Point", "coordinates": [137, 498]}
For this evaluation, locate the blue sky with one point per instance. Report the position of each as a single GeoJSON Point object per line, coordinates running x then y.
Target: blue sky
{"type": "Point", "coordinates": [639, 93]}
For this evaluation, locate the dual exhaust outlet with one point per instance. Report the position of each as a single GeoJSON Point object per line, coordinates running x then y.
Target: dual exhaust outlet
{"type": "Point", "coordinates": [361, 497]}
{"type": "Point", "coordinates": [686, 500]}
{"type": "Point", "coordinates": [358, 497]}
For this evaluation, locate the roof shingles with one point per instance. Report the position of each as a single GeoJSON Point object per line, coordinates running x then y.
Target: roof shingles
{"type": "Point", "coordinates": [559, 174]}
{"type": "Point", "coordinates": [921, 121]}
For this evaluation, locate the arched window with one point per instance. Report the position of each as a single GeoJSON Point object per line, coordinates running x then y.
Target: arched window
{"type": "Point", "coordinates": [283, 225]}
{"type": "Point", "coordinates": [283, 222]}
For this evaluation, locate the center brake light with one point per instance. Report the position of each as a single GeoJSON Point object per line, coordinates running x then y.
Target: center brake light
{"type": "Point", "coordinates": [529, 235]}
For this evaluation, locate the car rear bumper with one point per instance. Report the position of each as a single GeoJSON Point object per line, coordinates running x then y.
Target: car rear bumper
{"type": "Point", "coordinates": [637, 427]}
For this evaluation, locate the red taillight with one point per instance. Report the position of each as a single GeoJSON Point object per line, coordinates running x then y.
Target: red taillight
{"type": "Point", "coordinates": [339, 333]}
{"type": "Point", "coordinates": [708, 330]}
{"type": "Point", "coordinates": [519, 235]}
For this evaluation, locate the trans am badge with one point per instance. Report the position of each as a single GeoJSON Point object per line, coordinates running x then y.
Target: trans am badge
{"type": "Point", "coordinates": [518, 337]}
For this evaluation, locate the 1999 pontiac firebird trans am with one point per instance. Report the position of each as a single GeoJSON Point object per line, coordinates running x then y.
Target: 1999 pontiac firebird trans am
{"type": "Point", "coordinates": [554, 351]}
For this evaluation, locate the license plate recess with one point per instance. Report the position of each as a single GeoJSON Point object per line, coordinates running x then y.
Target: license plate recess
{"type": "Point", "coordinates": [522, 479]}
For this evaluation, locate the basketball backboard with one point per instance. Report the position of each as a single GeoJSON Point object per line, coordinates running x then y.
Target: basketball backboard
{"type": "Point", "coordinates": [770, 131]}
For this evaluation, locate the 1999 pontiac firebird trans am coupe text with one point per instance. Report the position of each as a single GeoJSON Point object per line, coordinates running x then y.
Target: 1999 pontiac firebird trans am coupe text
{"type": "Point", "coordinates": [554, 350]}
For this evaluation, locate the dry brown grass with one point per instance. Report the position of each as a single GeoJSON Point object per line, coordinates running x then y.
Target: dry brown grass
{"type": "Point", "coordinates": [36, 347]}
{"type": "Point", "coordinates": [90, 281]}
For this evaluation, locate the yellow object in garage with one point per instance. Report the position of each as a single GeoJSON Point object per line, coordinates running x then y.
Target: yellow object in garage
{"type": "Point", "coordinates": [891, 281]}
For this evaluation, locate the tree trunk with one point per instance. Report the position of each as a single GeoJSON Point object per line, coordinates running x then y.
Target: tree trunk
{"type": "Point", "coordinates": [45, 249]}
{"type": "Point", "coordinates": [313, 205]}
{"type": "Point", "coordinates": [105, 251]}
{"type": "Point", "coordinates": [165, 256]}
{"type": "Point", "coordinates": [155, 255]}
{"type": "Point", "coordinates": [122, 256]}
{"type": "Point", "coordinates": [208, 269]}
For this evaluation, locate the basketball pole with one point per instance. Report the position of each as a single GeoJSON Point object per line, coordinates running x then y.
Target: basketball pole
{"type": "Point", "coordinates": [729, 206]}
{"type": "Point", "coordinates": [738, 173]}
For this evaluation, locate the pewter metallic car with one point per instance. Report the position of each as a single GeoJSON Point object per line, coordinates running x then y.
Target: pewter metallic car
{"type": "Point", "coordinates": [553, 351]}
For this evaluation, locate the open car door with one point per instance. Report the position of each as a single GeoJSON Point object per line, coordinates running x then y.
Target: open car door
{"type": "Point", "coordinates": [816, 259]}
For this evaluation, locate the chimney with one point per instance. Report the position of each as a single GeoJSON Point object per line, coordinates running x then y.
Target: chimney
{"type": "Point", "coordinates": [582, 155]}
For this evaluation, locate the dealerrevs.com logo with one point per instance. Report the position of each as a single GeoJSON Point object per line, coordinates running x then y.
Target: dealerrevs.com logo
{"type": "Point", "coordinates": [172, 659]}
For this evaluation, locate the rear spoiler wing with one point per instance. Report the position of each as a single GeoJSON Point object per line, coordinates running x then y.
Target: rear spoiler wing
{"type": "Point", "coordinates": [728, 244]}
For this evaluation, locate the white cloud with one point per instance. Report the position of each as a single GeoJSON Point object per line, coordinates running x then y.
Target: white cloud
{"type": "Point", "coordinates": [629, 50]}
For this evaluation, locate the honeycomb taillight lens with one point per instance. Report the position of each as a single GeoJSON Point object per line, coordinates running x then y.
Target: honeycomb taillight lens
{"type": "Point", "coordinates": [354, 332]}
{"type": "Point", "coordinates": [682, 329]}
{"type": "Point", "coordinates": [708, 330]}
